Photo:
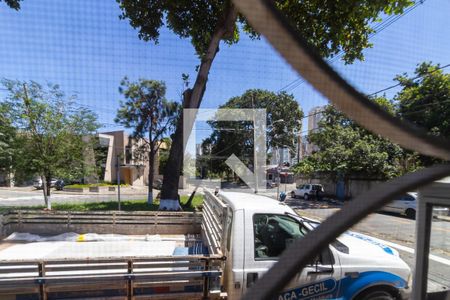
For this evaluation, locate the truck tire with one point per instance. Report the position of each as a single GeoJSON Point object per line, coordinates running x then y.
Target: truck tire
{"type": "Point", "coordinates": [378, 293]}
{"type": "Point", "coordinates": [306, 196]}
{"type": "Point", "coordinates": [411, 213]}
{"type": "Point", "coordinates": [293, 194]}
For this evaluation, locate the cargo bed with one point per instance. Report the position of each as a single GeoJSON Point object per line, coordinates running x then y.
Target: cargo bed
{"type": "Point", "coordinates": [186, 266]}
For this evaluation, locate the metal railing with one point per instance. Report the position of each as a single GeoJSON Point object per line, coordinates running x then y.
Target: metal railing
{"type": "Point", "coordinates": [214, 218]}
{"type": "Point", "coordinates": [180, 277]}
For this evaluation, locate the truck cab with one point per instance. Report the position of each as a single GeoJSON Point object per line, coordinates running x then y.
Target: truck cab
{"type": "Point", "coordinates": [354, 266]}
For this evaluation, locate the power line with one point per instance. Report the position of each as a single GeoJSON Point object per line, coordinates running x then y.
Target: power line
{"type": "Point", "coordinates": [423, 109]}
{"type": "Point", "coordinates": [393, 86]}
{"type": "Point", "coordinates": [415, 78]}
{"type": "Point", "coordinates": [378, 28]}
{"type": "Point", "coordinates": [397, 17]}
{"type": "Point", "coordinates": [107, 124]}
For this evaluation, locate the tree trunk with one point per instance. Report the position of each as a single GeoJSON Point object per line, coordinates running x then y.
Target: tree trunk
{"type": "Point", "coordinates": [151, 171]}
{"type": "Point", "coordinates": [172, 171]}
{"type": "Point", "coordinates": [191, 197]}
{"type": "Point", "coordinates": [46, 194]}
{"type": "Point", "coordinates": [192, 99]}
{"type": "Point", "coordinates": [49, 183]}
{"type": "Point", "coordinates": [49, 186]}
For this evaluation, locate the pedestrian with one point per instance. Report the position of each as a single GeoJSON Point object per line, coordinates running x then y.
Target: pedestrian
{"type": "Point", "coordinates": [282, 196]}
{"type": "Point", "coordinates": [318, 194]}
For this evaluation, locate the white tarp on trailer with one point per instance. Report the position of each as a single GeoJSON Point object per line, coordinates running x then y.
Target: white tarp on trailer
{"type": "Point", "coordinates": [91, 245]}
{"type": "Point", "coordinates": [85, 237]}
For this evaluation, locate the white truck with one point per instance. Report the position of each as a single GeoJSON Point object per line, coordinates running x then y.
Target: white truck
{"type": "Point", "coordinates": [242, 235]}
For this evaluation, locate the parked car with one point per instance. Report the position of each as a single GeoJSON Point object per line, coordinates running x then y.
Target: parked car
{"type": "Point", "coordinates": [407, 205]}
{"type": "Point", "coordinates": [307, 191]}
{"type": "Point", "coordinates": [59, 184]}
{"type": "Point", "coordinates": [271, 184]}
{"type": "Point", "coordinates": [38, 183]}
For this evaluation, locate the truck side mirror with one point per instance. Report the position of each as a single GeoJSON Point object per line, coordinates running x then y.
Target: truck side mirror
{"type": "Point", "coordinates": [324, 258]}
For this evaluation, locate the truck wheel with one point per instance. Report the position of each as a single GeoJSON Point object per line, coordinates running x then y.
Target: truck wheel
{"type": "Point", "coordinates": [411, 213]}
{"type": "Point", "coordinates": [306, 196]}
{"type": "Point", "coordinates": [377, 293]}
{"type": "Point", "coordinates": [293, 195]}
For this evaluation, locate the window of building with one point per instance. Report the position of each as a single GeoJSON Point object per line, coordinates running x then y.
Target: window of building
{"type": "Point", "coordinates": [128, 155]}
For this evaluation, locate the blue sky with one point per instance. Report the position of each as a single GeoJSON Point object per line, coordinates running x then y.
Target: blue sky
{"type": "Point", "coordinates": [83, 46]}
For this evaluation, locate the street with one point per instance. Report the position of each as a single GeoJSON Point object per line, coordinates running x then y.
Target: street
{"type": "Point", "coordinates": [397, 232]}
{"type": "Point", "coordinates": [29, 196]}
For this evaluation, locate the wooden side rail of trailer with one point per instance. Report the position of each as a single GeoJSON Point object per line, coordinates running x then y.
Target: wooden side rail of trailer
{"type": "Point", "coordinates": [174, 277]}
{"type": "Point", "coordinates": [56, 222]}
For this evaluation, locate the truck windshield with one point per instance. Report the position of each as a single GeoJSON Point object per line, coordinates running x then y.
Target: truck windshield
{"type": "Point", "coordinates": [273, 233]}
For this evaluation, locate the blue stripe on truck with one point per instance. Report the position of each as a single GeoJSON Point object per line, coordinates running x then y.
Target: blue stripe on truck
{"type": "Point", "coordinates": [343, 289]}
{"type": "Point", "coordinates": [351, 287]}
{"type": "Point", "coordinates": [371, 241]}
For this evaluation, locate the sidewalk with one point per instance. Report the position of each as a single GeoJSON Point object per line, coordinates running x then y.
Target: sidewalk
{"type": "Point", "coordinates": [19, 188]}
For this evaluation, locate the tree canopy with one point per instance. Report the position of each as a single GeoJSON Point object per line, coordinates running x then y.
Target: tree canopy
{"type": "Point", "coordinates": [425, 101]}
{"type": "Point", "coordinates": [7, 141]}
{"type": "Point", "coordinates": [14, 4]}
{"type": "Point", "coordinates": [330, 26]}
{"type": "Point", "coordinates": [425, 98]}
{"type": "Point", "coordinates": [284, 117]}
{"type": "Point", "coordinates": [150, 115]}
{"type": "Point", "coordinates": [346, 149]}
{"type": "Point", "coordinates": [50, 131]}
{"type": "Point", "coordinates": [145, 109]}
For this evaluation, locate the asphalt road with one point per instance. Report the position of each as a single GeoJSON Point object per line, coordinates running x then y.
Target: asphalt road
{"type": "Point", "coordinates": [29, 196]}
{"type": "Point", "coordinates": [399, 232]}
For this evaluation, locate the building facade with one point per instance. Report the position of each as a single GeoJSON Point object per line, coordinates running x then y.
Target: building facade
{"type": "Point", "coordinates": [314, 117]}
{"type": "Point", "coordinates": [116, 151]}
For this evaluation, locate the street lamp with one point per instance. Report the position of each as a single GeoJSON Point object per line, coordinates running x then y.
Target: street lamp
{"type": "Point", "coordinates": [118, 178]}
{"type": "Point", "coordinates": [118, 165]}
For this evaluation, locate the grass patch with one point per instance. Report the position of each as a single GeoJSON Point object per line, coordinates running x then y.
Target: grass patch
{"type": "Point", "coordinates": [127, 205]}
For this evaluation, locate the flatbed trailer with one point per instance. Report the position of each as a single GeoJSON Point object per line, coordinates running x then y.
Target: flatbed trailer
{"type": "Point", "coordinates": [191, 272]}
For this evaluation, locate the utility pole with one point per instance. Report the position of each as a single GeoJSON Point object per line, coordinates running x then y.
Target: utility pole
{"type": "Point", "coordinates": [255, 157]}
{"type": "Point", "coordinates": [45, 188]}
{"type": "Point", "coordinates": [118, 178]}
{"type": "Point", "coordinates": [210, 161]}
{"type": "Point", "coordinates": [285, 182]}
{"type": "Point", "coordinates": [278, 173]}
